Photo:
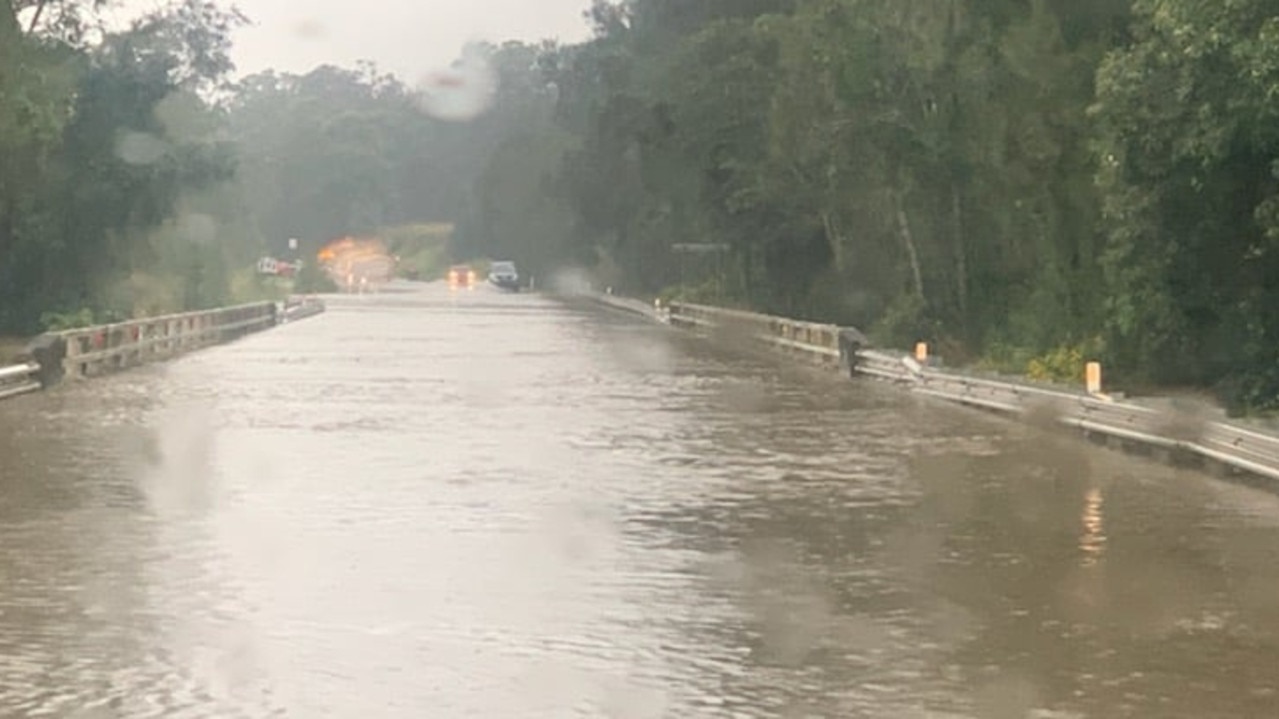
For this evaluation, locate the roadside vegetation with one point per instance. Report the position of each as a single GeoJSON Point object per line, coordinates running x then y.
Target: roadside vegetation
{"type": "Point", "coordinates": [1025, 184]}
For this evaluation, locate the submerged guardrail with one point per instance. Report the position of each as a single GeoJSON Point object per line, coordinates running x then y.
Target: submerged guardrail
{"type": "Point", "coordinates": [1167, 433]}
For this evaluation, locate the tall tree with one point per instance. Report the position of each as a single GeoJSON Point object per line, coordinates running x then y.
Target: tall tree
{"type": "Point", "coordinates": [1189, 146]}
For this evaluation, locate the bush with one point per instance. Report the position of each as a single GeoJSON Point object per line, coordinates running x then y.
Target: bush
{"type": "Point", "coordinates": [312, 279]}
{"type": "Point", "coordinates": [1065, 363]}
{"type": "Point", "coordinates": [62, 321]}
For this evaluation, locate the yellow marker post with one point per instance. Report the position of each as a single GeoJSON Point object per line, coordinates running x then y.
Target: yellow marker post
{"type": "Point", "coordinates": [1092, 377]}
{"type": "Point", "coordinates": [921, 352]}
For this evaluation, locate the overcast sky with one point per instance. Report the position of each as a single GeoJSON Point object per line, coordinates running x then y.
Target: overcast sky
{"type": "Point", "coordinates": [410, 38]}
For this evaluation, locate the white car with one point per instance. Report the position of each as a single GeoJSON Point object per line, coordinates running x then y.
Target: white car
{"type": "Point", "coordinates": [504, 275]}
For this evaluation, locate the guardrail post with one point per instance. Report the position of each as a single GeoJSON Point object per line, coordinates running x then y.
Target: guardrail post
{"type": "Point", "coordinates": [921, 353]}
{"type": "Point", "coordinates": [49, 351]}
{"type": "Point", "coordinates": [1092, 377]}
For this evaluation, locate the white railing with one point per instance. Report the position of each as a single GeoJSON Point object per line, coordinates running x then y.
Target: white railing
{"type": "Point", "coordinates": [1243, 448]}
{"type": "Point", "coordinates": [91, 351]}
{"type": "Point", "coordinates": [19, 379]}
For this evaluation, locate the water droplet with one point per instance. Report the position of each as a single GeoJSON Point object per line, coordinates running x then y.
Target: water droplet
{"type": "Point", "coordinates": [196, 227]}
{"type": "Point", "coordinates": [309, 29]}
{"type": "Point", "coordinates": [461, 93]}
{"type": "Point", "coordinates": [140, 148]}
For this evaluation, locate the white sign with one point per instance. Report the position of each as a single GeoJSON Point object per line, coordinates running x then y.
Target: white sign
{"type": "Point", "coordinates": [293, 243]}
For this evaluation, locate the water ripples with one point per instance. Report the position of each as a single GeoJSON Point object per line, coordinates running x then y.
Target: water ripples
{"type": "Point", "coordinates": [490, 505]}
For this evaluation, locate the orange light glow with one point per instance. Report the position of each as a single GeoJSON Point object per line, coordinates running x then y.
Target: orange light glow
{"type": "Point", "coordinates": [366, 257]}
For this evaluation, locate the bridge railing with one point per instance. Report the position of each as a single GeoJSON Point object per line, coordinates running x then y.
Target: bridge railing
{"type": "Point", "coordinates": [96, 350]}
{"type": "Point", "coordinates": [299, 308]}
{"type": "Point", "coordinates": [819, 343]}
{"type": "Point", "coordinates": [19, 379]}
{"type": "Point", "coordinates": [1230, 444]}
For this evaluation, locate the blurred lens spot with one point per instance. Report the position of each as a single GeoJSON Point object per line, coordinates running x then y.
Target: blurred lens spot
{"type": "Point", "coordinates": [624, 700]}
{"type": "Point", "coordinates": [1046, 414]}
{"type": "Point", "coordinates": [184, 117]}
{"type": "Point", "coordinates": [461, 93]}
{"type": "Point", "coordinates": [309, 29]}
{"type": "Point", "coordinates": [581, 533]}
{"type": "Point", "coordinates": [639, 350]}
{"type": "Point", "coordinates": [178, 478]}
{"type": "Point", "coordinates": [744, 396]}
{"type": "Point", "coordinates": [197, 228]}
{"type": "Point", "coordinates": [1008, 697]}
{"type": "Point", "coordinates": [570, 282]}
{"type": "Point", "coordinates": [952, 624]}
{"type": "Point", "coordinates": [794, 615]}
{"type": "Point", "coordinates": [139, 148]}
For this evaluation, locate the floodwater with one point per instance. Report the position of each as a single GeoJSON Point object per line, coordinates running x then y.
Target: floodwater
{"type": "Point", "coordinates": [472, 504]}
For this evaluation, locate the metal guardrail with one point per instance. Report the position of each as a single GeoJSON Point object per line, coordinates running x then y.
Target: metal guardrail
{"type": "Point", "coordinates": [19, 379]}
{"type": "Point", "coordinates": [821, 343]}
{"type": "Point", "coordinates": [632, 306]}
{"type": "Point", "coordinates": [299, 309]}
{"type": "Point", "coordinates": [1242, 448]}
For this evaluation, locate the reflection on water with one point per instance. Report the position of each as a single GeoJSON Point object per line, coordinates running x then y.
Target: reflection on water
{"type": "Point", "coordinates": [488, 505]}
{"type": "Point", "coordinates": [1093, 540]}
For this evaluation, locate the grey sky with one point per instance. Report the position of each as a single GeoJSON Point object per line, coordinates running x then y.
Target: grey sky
{"type": "Point", "coordinates": [410, 38]}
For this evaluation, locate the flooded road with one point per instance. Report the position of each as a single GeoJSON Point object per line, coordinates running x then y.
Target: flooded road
{"type": "Point", "coordinates": [435, 504]}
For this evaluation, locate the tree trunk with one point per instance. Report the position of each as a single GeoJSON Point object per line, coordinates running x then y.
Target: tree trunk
{"type": "Point", "coordinates": [35, 17]}
{"type": "Point", "coordinates": [961, 251]}
{"type": "Point", "coordinates": [834, 240]}
{"type": "Point", "coordinates": [908, 242]}
{"type": "Point", "coordinates": [8, 23]}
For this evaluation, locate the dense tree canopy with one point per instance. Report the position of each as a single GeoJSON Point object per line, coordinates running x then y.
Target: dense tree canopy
{"type": "Point", "coordinates": [1023, 182]}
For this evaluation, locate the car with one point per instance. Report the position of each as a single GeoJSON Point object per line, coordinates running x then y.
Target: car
{"type": "Point", "coordinates": [503, 274]}
{"type": "Point", "coordinates": [461, 276]}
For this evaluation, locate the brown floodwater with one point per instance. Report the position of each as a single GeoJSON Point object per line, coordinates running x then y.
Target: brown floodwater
{"type": "Point", "coordinates": [428, 503]}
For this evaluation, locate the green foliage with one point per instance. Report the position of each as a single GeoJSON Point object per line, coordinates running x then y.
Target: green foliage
{"type": "Point", "coordinates": [1065, 363]}
{"type": "Point", "coordinates": [1186, 119]}
{"type": "Point", "coordinates": [1015, 181]}
{"type": "Point", "coordinates": [422, 248]}
{"type": "Point", "coordinates": [61, 321]}
{"type": "Point", "coordinates": [708, 292]}
{"type": "Point", "coordinates": [103, 143]}
{"type": "Point", "coordinates": [313, 280]}
{"type": "Point", "coordinates": [246, 285]}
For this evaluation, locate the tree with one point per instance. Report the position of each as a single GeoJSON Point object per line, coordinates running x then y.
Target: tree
{"type": "Point", "coordinates": [106, 140]}
{"type": "Point", "coordinates": [1188, 143]}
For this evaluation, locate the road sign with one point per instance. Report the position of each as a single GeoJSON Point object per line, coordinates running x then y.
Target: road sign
{"type": "Point", "coordinates": [293, 243]}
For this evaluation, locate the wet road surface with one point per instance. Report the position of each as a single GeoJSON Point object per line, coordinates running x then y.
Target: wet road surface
{"type": "Point", "coordinates": [475, 504]}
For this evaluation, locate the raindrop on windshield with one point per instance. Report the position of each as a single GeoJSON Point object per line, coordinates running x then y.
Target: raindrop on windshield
{"type": "Point", "coordinates": [139, 148]}
{"type": "Point", "coordinates": [461, 93]}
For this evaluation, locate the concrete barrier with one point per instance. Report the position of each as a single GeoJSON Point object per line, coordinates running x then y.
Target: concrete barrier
{"type": "Point", "coordinates": [1166, 433]}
